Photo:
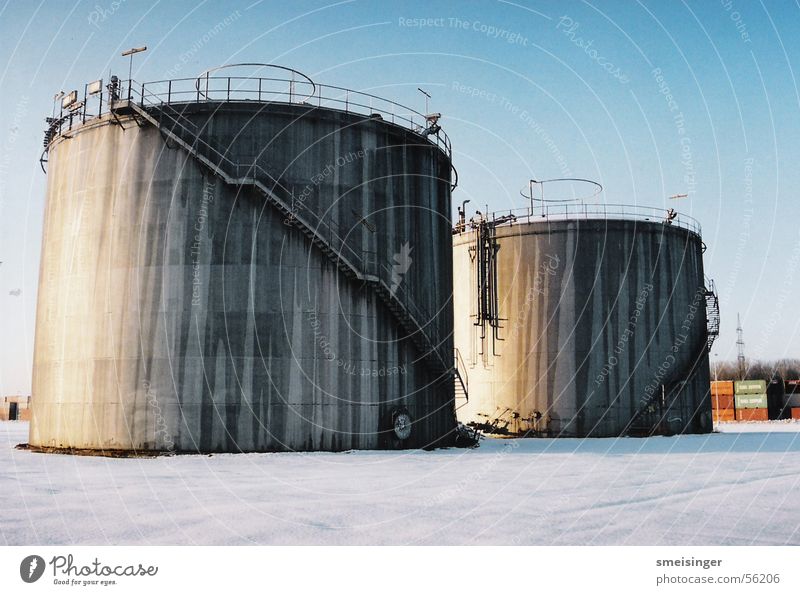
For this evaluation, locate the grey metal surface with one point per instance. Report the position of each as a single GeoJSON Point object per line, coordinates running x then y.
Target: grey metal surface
{"type": "Point", "coordinates": [599, 319]}
{"type": "Point", "coordinates": [179, 313]}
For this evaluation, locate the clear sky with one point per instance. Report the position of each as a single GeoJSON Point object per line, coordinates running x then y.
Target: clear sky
{"type": "Point", "coordinates": [527, 89]}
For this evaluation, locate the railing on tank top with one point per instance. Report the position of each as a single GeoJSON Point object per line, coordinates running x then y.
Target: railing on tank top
{"type": "Point", "coordinates": [600, 211]}
{"type": "Point", "coordinates": [267, 90]}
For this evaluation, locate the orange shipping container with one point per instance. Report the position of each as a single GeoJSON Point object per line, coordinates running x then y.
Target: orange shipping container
{"type": "Point", "coordinates": [723, 415]}
{"type": "Point", "coordinates": [722, 387]}
{"type": "Point", "coordinates": [752, 415]}
{"type": "Point", "coordinates": [722, 401]}
{"type": "Point", "coordinates": [795, 412]}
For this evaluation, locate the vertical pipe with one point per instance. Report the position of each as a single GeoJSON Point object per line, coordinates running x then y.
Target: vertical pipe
{"type": "Point", "coordinates": [531, 189]}
{"type": "Point", "coordinates": [543, 205]}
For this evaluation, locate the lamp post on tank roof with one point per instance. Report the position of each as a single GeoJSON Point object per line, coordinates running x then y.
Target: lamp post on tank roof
{"type": "Point", "coordinates": [427, 99]}
{"type": "Point", "coordinates": [131, 53]}
{"type": "Point", "coordinates": [56, 97]}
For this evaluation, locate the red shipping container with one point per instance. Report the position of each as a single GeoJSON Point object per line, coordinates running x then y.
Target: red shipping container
{"type": "Point", "coordinates": [752, 415]}
{"type": "Point", "coordinates": [723, 415]}
{"type": "Point", "coordinates": [722, 387]}
{"type": "Point", "coordinates": [795, 412]}
{"type": "Point", "coordinates": [722, 401]}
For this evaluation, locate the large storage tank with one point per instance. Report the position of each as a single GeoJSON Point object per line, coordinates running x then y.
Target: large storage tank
{"type": "Point", "coordinates": [230, 265]}
{"type": "Point", "coordinates": [588, 323]}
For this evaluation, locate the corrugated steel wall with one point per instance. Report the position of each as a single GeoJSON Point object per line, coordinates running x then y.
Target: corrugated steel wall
{"type": "Point", "coordinates": [177, 312]}
{"type": "Point", "coordinates": [596, 317]}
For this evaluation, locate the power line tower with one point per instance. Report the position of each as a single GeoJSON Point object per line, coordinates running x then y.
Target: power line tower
{"type": "Point", "coordinates": [740, 346]}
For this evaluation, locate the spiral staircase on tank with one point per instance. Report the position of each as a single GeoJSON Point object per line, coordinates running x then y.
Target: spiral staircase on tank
{"type": "Point", "coordinates": [712, 313]}
{"type": "Point", "coordinates": [175, 129]}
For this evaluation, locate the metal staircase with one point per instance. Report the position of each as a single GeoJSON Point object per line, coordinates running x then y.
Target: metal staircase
{"type": "Point", "coordinates": [460, 380]}
{"type": "Point", "coordinates": [168, 120]}
{"type": "Point", "coordinates": [712, 313]}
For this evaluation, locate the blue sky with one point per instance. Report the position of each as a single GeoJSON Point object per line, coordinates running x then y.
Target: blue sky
{"type": "Point", "coordinates": [526, 89]}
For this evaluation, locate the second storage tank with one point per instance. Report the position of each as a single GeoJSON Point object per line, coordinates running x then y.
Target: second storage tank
{"type": "Point", "coordinates": [588, 323]}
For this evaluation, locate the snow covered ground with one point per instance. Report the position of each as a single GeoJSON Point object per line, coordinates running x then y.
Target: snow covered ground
{"type": "Point", "coordinates": [739, 486]}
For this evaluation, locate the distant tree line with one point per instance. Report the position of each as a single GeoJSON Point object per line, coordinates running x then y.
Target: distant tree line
{"type": "Point", "coordinates": [781, 370]}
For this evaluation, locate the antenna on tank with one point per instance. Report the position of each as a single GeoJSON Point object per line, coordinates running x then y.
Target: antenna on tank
{"type": "Point", "coordinates": [427, 98]}
{"type": "Point", "coordinates": [131, 52]}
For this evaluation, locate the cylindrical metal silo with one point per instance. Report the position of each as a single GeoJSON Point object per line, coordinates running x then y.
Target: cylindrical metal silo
{"type": "Point", "coordinates": [584, 324]}
{"type": "Point", "coordinates": [226, 272]}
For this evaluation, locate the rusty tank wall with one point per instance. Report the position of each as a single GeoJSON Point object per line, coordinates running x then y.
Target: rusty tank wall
{"type": "Point", "coordinates": [177, 312]}
{"type": "Point", "coordinates": [597, 318]}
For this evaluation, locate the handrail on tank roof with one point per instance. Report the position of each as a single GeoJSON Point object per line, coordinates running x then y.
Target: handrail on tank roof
{"type": "Point", "coordinates": [599, 211]}
{"type": "Point", "coordinates": [182, 91]}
